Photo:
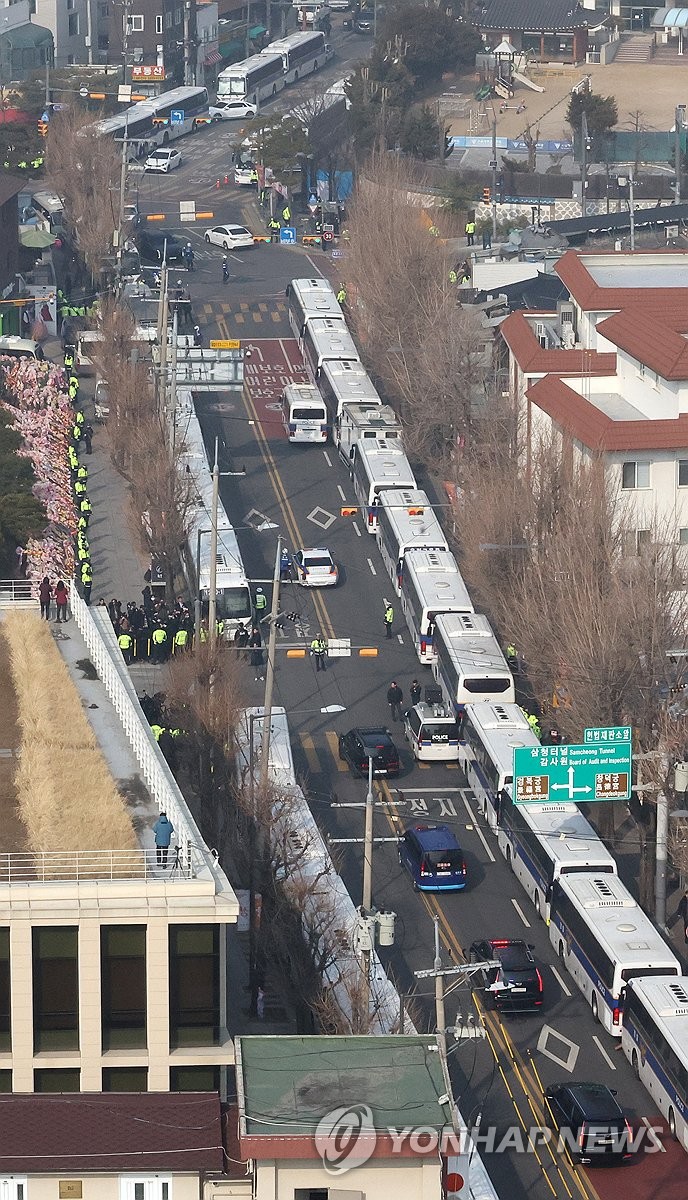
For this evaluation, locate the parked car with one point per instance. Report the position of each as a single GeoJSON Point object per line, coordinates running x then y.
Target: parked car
{"type": "Point", "coordinates": [433, 858]}
{"type": "Point", "coordinates": [590, 1120]}
{"type": "Point", "coordinates": [131, 216]}
{"type": "Point", "coordinates": [315, 568]}
{"type": "Point", "coordinates": [360, 744]}
{"type": "Point", "coordinates": [230, 237]}
{"type": "Point", "coordinates": [243, 174]}
{"type": "Point", "coordinates": [516, 985]}
{"type": "Point", "coordinates": [156, 245]}
{"type": "Point", "coordinates": [232, 110]}
{"type": "Point", "coordinates": [164, 159]}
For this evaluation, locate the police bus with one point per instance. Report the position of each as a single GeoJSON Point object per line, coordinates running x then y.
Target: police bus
{"type": "Point", "coordinates": [309, 298]}
{"type": "Point", "coordinates": [654, 1038]}
{"type": "Point", "coordinates": [302, 53]}
{"type": "Point", "coordinates": [343, 383]}
{"type": "Point", "coordinates": [604, 939]}
{"type": "Point", "coordinates": [149, 122]}
{"type": "Point", "coordinates": [326, 339]}
{"type": "Point", "coordinates": [469, 664]}
{"type": "Point", "coordinates": [405, 521]}
{"type": "Point", "coordinates": [376, 466]}
{"type": "Point", "coordinates": [544, 841]}
{"type": "Point", "coordinates": [430, 584]}
{"type": "Point", "coordinates": [489, 735]}
{"type": "Point", "coordinates": [304, 413]}
{"type": "Point", "coordinates": [364, 422]}
{"type": "Point", "coordinates": [254, 79]}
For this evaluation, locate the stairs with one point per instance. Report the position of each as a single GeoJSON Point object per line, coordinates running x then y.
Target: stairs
{"type": "Point", "coordinates": [635, 48]}
{"type": "Point", "coordinates": [667, 55]}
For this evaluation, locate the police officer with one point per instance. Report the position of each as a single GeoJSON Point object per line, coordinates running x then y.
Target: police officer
{"type": "Point", "coordinates": [274, 227]}
{"type": "Point", "coordinates": [181, 640]}
{"type": "Point", "coordinates": [86, 581]}
{"type": "Point", "coordinates": [261, 602]}
{"type": "Point", "coordinates": [453, 276]}
{"type": "Point", "coordinates": [341, 295]}
{"type": "Point", "coordinates": [126, 644]}
{"type": "Point", "coordinates": [389, 618]}
{"type": "Point", "coordinates": [470, 231]}
{"type": "Point", "coordinates": [197, 336]}
{"type": "Point", "coordinates": [319, 652]}
{"type": "Point", "coordinates": [415, 692]}
{"type": "Point", "coordinates": [160, 644]}
{"type": "Point", "coordinates": [86, 508]}
{"type": "Point", "coordinates": [68, 359]}
{"type": "Point", "coordinates": [286, 214]}
{"type": "Point", "coordinates": [225, 270]}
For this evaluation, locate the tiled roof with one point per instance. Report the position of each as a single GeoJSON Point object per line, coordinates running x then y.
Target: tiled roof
{"type": "Point", "coordinates": [583, 421]}
{"type": "Point", "coordinates": [108, 1131]}
{"type": "Point", "coordinates": [591, 297]}
{"type": "Point", "coordinates": [652, 337]}
{"type": "Point", "coordinates": [544, 15]}
{"type": "Point", "coordinates": [519, 336]}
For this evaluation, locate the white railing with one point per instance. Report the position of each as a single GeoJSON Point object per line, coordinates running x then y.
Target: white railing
{"type": "Point", "coordinates": [61, 866]}
{"type": "Point", "coordinates": [18, 593]}
{"type": "Point", "coordinates": [96, 629]}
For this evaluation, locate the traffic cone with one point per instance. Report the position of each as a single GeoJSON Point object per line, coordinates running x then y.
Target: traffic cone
{"type": "Point", "coordinates": [226, 179]}
{"type": "Point", "coordinates": [217, 183]}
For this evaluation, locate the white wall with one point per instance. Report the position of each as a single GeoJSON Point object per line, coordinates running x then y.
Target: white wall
{"type": "Point", "coordinates": [414, 1179]}
{"type": "Point", "coordinates": [55, 16]}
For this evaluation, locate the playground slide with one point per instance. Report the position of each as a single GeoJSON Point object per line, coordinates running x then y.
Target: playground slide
{"type": "Point", "coordinates": [528, 82]}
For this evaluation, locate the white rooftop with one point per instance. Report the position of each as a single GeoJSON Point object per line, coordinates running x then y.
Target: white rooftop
{"type": "Point", "coordinates": [644, 271]}
{"type": "Point", "coordinates": [617, 408]}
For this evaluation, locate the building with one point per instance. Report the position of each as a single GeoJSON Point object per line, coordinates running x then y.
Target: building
{"type": "Point", "coordinates": [608, 370]}
{"type": "Point", "coordinates": [159, 34]}
{"type": "Point", "coordinates": [208, 57]}
{"type": "Point", "coordinates": [113, 966]}
{"type": "Point", "coordinates": [287, 1086]}
{"type": "Point", "coordinates": [73, 26]}
{"type": "Point", "coordinates": [10, 187]}
{"type": "Point", "coordinates": [24, 48]}
{"type": "Point", "coordinates": [547, 30]}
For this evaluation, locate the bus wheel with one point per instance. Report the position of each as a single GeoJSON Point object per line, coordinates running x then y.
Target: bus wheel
{"type": "Point", "coordinates": [165, 138]}
{"type": "Point", "coordinates": [562, 952]}
{"type": "Point", "coordinates": [594, 1006]}
{"type": "Point", "coordinates": [315, 65]}
{"type": "Point", "coordinates": [537, 905]}
{"type": "Point", "coordinates": [635, 1063]}
{"type": "Point", "coordinates": [274, 89]}
{"type": "Point", "coordinates": [672, 1123]}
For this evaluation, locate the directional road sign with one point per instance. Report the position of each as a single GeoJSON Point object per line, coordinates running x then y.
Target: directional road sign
{"type": "Point", "coordinates": [288, 235]}
{"type": "Point", "coordinates": [613, 733]}
{"type": "Point", "coordinates": [599, 771]}
{"type": "Point", "coordinates": [177, 116]}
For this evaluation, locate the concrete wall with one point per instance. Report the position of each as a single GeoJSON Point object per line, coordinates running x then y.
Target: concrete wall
{"type": "Point", "coordinates": [182, 1186]}
{"type": "Point", "coordinates": [414, 1179]}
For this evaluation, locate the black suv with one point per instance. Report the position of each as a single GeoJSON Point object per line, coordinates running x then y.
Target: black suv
{"type": "Point", "coordinates": [358, 745]}
{"type": "Point", "coordinates": [516, 985]}
{"type": "Point", "coordinates": [589, 1121]}
{"type": "Point", "coordinates": [154, 243]}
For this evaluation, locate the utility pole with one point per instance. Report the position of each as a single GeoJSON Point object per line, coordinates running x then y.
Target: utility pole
{"type": "Point", "coordinates": [440, 1017]}
{"type": "Point", "coordinates": [188, 74]}
{"type": "Point", "coordinates": [212, 606]}
{"type": "Point", "coordinates": [679, 116]}
{"type": "Point", "coordinates": [367, 898]}
{"type": "Point", "coordinates": [631, 201]}
{"type": "Point", "coordinates": [247, 46]}
{"type": "Point", "coordinates": [662, 838]}
{"type": "Point", "coordinates": [494, 178]}
{"type": "Point", "coordinates": [122, 189]}
{"type": "Point", "coordinates": [173, 384]}
{"type": "Point", "coordinates": [584, 161]}
{"type": "Point", "coordinates": [270, 673]}
{"type": "Point", "coordinates": [47, 84]}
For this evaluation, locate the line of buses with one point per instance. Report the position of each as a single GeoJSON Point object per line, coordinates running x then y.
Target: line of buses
{"type": "Point", "coordinates": [621, 963]}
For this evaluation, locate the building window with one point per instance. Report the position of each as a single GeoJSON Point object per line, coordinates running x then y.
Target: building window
{"type": "Point", "coordinates": [13, 1187]}
{"type": "Point", "coordinates": [73, 25]}
{"type": "Point", "coordinates": [5, 1082]}
{"type": "Point", "coordinates": [145, 1187]}
{"type": "Point", "coordinates": [635, 475]}
{"type": "Point", "coordinates": [178, 16]}
{"type": "Point", "coordinates": [168, 19]}
{"type": "Point", "coordinates": [195, 1079]}
{"type": "Point", "coordinates": [683, 472]}
{"type": "Point", "coordinates": [194, 985]}
{"type": "Point", "coordinates": [683, 537]}
{"type": "Point", "coordinates": [136, 24]}
{"type": "Point", "coordinates": [158, 24]}
{"type": "Point", "coordinates": [57, 1079]}
{"type": "Point", "coordinates": [125, 1079]}
{"type": "Point", "coordinates": [5, 991]}
{"type": "Point", "coordinates": [55, 989]}
{"type": "Point", "coordinates": [123, 983]}
{"type": "Point", "coordinates": [641, 370]}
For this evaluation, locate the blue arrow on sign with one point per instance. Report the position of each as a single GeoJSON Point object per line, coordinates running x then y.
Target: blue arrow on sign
{"type": "Point", "coordinates": [288, 235]}
{"type": "Point", "coordinates": [177, 116]}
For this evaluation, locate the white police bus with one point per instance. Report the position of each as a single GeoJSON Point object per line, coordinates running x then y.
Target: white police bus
{"type": "Point", "coordinates": [345, 383]}
{"type": "Point", "coordinates": [431, 584]}
{"type": "Point", "coordinates": [254, 79]}
{"type": "Point", "coordinates": [654, 1038]}
{"type": "Point", "coordinates": [326, 339]}
{"type": "Point", "coordinates": [604, 939]}
{"type": "Point", "coordinates": [309, 298]}
{"type": "Point", "coordinates": [469, 665]}
{"type": "Point", "coordinates": [364, 422]}
{"type": "Point", "coordinates": [302, 53]}
{"type": "Point", "coordinates": [489, 735]}
{"type": "Point", "coordinates": [405, 521]}
{"type": "Point", "coordinates": [376, 466]}
{"type": "Point", "coordinates": [543, 841]}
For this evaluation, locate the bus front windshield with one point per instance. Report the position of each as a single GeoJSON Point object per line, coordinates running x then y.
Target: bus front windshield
{"type": "Point", "coordinates": [234, 604]}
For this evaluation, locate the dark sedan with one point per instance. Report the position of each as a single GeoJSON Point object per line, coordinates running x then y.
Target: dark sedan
{"type": "Point", "coordinates": [359, 745]}
{"type": "Point", "coordinates": [516, 985]}
{"type": "Point", "coordinates": [156, 245]}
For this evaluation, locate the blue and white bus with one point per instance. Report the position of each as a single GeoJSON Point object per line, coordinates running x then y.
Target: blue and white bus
{"type": "Point", "coordinates": [654, 1038]}
{"type": "Point", "coordinates": [326, 339]}
{"type": "Point", "coordinates": [254, 79]}
{"type": "Point", "coordinates": [489, 734]}
{"type": "Point", "coordinates": [378, 465]}
{"type": "Point", "coordinates": [302, 53]}
{"type": "Point", "coordinates": [431, 584]}
{"type": "Point", "coordinates": [308, 299]}
{"type": "Point", "coordinates": [149, 122]}
{"type": "Point", "coordinates": [604, 939]}
{"type": "Point", "coordinates": [405, 522]}
{"type": "Point", "coordinates": [469, 664]}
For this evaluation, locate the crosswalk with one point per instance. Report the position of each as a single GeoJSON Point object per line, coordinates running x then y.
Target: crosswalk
{"type": "Point", "coordinates": [243, 314]}
{"type": "Point", "coordinates": [319, 757]}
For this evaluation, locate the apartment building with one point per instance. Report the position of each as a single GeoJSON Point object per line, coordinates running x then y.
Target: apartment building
{"type": "Point", "coordinates": [609, 371]}
{"type": "Point", "coordinates": [154, 33]}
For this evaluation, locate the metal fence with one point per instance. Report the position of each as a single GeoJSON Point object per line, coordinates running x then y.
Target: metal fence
{"type": "Point", "coordinates": [18, 593]}
{"type": "Point", "coordinates": [60, 866]}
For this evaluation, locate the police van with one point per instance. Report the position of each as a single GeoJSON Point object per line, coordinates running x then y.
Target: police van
{"type": "Point", "coordinates": [432, 733]}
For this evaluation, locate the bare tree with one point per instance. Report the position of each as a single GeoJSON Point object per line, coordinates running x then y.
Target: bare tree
{"type": "Point", "coordinates": [84, 168]}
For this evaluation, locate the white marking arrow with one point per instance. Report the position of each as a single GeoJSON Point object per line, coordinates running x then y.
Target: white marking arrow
{"type": "Point", "coordinates": [568, 787]}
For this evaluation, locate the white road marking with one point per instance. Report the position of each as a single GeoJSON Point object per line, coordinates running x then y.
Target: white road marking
{"type": "Point", "coordinates": [340, 489]}
{"type": "Point", "coordinates": [316, 269]}
{"type": "Point", "coordinates": [521, 913]}
{"type": "Point", "coordinates": [255, 350]}
{"type": "Point", "coordinates": [400, 638]}
{"type": "Point", "coordinates": [560, 981]}
{"type": "Point", "coordinates": [444, 789]}
{"type": "Point", "coordinates": [372, 568]}
{"type": "Point", "coordinates": [356, 529]}
{"type": "Point", "coordinates": [547, 1033]}
{"type": "Point", "coordinates": [653, 1136]}
{"type": "Point", "coordinates": [328, 460]}
{"type": "Point", "coordinates": [603, 1052]}
{"type": "Point", "coordinates": [478, 830]}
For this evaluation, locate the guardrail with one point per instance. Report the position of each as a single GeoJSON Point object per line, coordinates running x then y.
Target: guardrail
{"type": "Point", "coordinates": [97, 632]}
{"type": "Point", "coordinates": [18, 593]}
{"type": "Point", "coordinates": [60, 866]}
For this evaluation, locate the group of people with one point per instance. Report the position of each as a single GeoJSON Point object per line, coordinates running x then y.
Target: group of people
{"type": "Point", "coordinates": [153, 630]}
{"type": "Point", "coordinates": [60, 595]}
{"type": "Point", "coordinates": [180, 302]}
{"type": "Point", "coordinates": [80, 439]}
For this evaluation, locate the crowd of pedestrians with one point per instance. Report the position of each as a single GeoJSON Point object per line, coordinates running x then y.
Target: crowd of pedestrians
{"type": "Point", "coordinates": [152, 630]}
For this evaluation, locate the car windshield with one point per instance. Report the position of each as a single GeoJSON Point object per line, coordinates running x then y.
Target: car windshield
{"type": "Point", "coordinates": [514, 958]}
{"type": "Point", "coordinates": [321, 561]}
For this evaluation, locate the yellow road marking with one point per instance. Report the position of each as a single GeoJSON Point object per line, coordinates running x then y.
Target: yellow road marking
{"type": "Point", "coordinates": [310, 752]}
{"type": "Point", "coordinates": [333, 743]}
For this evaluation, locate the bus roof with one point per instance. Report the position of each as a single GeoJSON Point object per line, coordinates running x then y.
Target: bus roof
{"type": "Point", "coordinates": [352, 386]}
{"type": "Point", "coordinates": [385, 463]}
{"type": "Point", "coordinates": [249, 64]}
{"type": "Point", "coordinates": [424, 528]}
{"type": "Point", "coordinates": [330, 338]}
{"type": "Point", "coordinates": [281, 763]}
{"type": "Point", "coordinates": [318, 284]}
{"type": "Point", "coordinates": [567, 833]}
{"type": "Point", "coordinates": [437, 580]}
{"type": "Point", "coordinates": [471, 643]}
{"type": "Point", "coordinates": [486, 716]}
{"type": "Point", "coordinates": [619, 922]}
{"type": "Point", "coordinates": [294, 40]}
{"type": "Point", "coordinates": [666, 999]}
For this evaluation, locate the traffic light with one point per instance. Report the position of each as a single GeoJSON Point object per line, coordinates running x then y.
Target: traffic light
{"type": "Point", "coordinates": [415, 512]}
{"type": "Point", "coordinates": [43, 128]}
{"type": "Point", "coordinates": [448, 144]}
{"type": "Point", "coordinates": [348, 512]}
{"type": "Point", "coordinates": [487, 195]}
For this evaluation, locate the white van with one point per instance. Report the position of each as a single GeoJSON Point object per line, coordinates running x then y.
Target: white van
{"type": "Point", "coordinates": [432, 732]}
{"type": "Point", "coordinates": [19, 347]}
{"type": "Point", "coordinates": [304, 413]}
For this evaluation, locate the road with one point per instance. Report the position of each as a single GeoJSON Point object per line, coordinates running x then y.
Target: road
{"type": "Point", "coordinates": [297, 491]}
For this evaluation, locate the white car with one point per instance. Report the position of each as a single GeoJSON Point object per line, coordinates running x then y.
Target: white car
{"type": "Point", "coordinates": [244, 176]}
{"type": "Point", "coordinates": [230, 237]}
{"type": "Point", "coordinates": [315, 568]}
{"type": "Point", "coordinates": [232, 110]}
{"type": "Point", "coordinates": [164, 159]}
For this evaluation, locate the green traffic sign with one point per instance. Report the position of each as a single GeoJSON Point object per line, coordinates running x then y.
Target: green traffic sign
{"type": "Point", "coordinates": [612, 733]}
{"type": "Point", "coordinates": [599, 771]}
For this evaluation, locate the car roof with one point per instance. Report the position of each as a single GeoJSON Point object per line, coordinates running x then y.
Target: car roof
{"type": "Point", "coordinates": [315, 550]}
{"type": "Point", "coordinates": [434, 837]}
{"type": "Point", "coordinates": [236, 228]}
{"type": "Point", "coordinates": [596, 1100]}
{"type": "Point", "coordinates": [513, 953]}
{"type": "Point", "coordinates": [368, 732]}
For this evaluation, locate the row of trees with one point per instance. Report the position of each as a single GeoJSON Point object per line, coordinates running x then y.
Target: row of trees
{"type": "Point", "coordinates": [542, 535]}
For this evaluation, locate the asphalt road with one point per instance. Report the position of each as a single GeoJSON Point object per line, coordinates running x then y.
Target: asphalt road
{"type": "Point", "coordinates": [297, 491]}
